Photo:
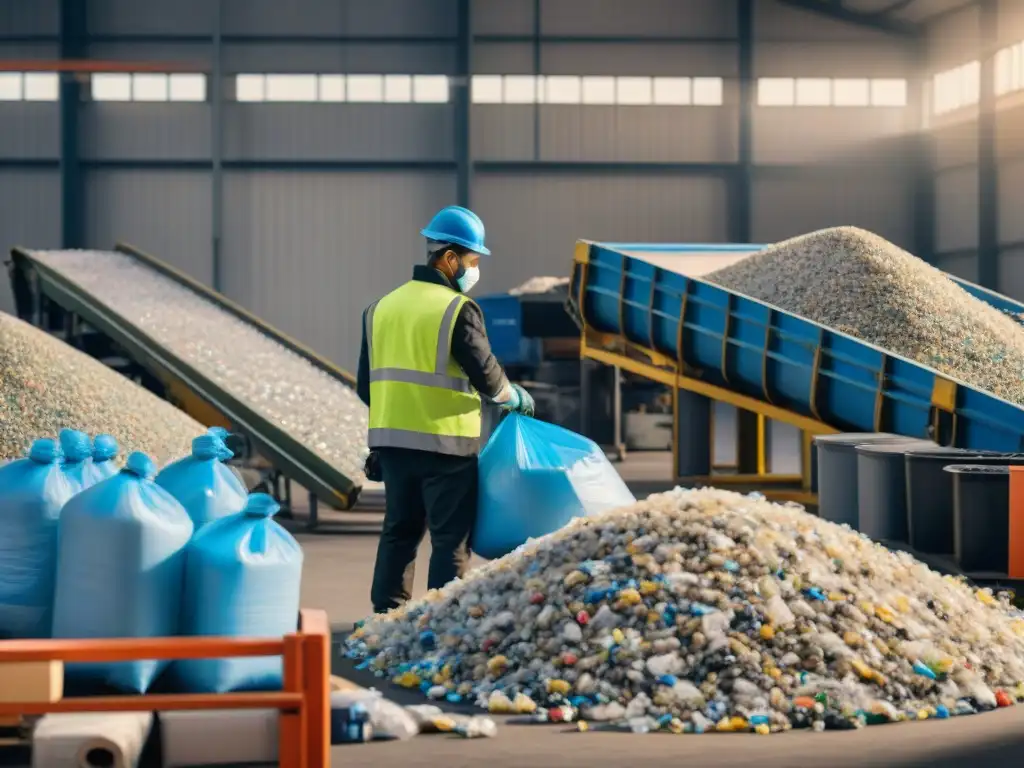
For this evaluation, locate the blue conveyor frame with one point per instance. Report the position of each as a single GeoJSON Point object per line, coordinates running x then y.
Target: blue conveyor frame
{"type": "Point", "coordinates": [693, 335]}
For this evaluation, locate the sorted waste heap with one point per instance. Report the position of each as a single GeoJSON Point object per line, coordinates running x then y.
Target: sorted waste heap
{"type": "Point", "coordinates": [860, 284]}
{"type": "Point", "coordinates": [45, 385]}
{"type": "Point", "coordinates": [285, 388]}
{"type": "Point", "coordinates": [700, 610]}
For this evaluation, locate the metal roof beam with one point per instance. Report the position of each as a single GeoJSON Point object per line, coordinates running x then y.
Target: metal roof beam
{"type": "Point", "coordinates": [834, 9]}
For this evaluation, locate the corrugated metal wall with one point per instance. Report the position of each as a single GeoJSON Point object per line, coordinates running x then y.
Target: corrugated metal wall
{"type": "Point", "coordinates": [954, 41]}
{"type": "Point", "coordinates": [308, 251]}
{"type": "Point", "coordinates": [309, 238]}
{"type": "Point", "coordinates": [30, 205]}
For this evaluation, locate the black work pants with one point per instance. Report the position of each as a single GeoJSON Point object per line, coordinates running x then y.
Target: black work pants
{"type": "Point", "coordinates": [423, 492]}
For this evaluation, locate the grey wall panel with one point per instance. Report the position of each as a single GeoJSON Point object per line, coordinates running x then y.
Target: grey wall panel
{"type": "Point", "coordinates": [500, 132]}
{"type": "Point", "coordinates": [309, 251]}
{"type": "Point", "coordinates": [776, 22]}
{"type": "Point", "coordinates": [956, 210]}
{"type": "Point", "coordinates": [150, 131]}
{"type": "Point", "coordinates": [177, 56]}
{"type": "Point", "coordinates": [29, 130]}
{"type": "Point", "coordinates": [638, 134]}
{"type": "Point", "coordinates": [1010, 128]}
{"type": "Point", "coordinates": [694, 18]}
{"type": "Point", "coordinates": [888, 57]}
{"type": "Point", "coordinates": [166, 213]}
{"type": "Point", "coordinates": [120, 17]}
{"type": "Point", "coordinates": [29, 216]}
{"type": "Point", "coordinates": [955, 144]}
{"type": "Point", "coordinates": [1011, 273]}
{"type": "Point", "coordinates": [953, 39]}
{"type": "Point", "coordinates": [503, 17]}
{"type": "Point", "coordinates": [339, 131]}
{"type": "Point", "coordinates": [534, 220]}
{"type": "Point", "coordinates": [422, 18]}
{"type": "Point", "coordinates": [376, 58]}
{"type": "Point", "coordinates": [785, 207]}
{"type": "Point", "coordinates": [503, 59]}
{"type": "Point", "coordinates": [808, 134]}
{"type": "Point", "coordinates": [964, 265]}
{"type": "Point", "coordinates": [1011, 202]}
{"type": "Point", "coordinates": [1011, 22]}
{"type": "Point", "coordinates": [30, 17]}
{"type": "Point", "coordinates": [671, 59]}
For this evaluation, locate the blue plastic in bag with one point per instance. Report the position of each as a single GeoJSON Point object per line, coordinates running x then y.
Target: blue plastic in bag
{"type": "Point", "coordinates": [243, 576]}
{"type": "Point", "coordinates": [104, 451]}
{"type": "Point", "coordinates": [206, 488]}
{"type": "Point", "coordinates": [32, 492]}
{"type": "Point", "coordinates": [120, 570]}
{"type": "Point", "coordinates": [536, 477]}
{"type": "Point", "coordinates": [78, 466]}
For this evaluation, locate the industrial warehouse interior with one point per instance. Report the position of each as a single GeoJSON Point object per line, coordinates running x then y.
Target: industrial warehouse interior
{"type": "Point", "coordinates": [436, 382]}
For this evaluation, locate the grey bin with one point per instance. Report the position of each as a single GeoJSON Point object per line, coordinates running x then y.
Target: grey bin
{"type": "Point", "coordinates": [881, 488]}
{"type": "Point", "coordinates": [981, 513]}
{"type": "Point", "coordinates": [837, 473]}
{"type": "Point", "coordinates": [930, 523]}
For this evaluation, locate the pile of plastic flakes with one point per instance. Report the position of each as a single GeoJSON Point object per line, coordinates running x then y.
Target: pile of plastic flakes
{"type": "Point", "coordinates": [705, 610]}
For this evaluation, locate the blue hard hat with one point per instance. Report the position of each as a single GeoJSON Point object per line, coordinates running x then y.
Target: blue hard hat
{"type": "Point", "coordinates": [458, 226]}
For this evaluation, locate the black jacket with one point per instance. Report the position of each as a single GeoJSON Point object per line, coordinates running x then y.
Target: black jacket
{"type": "Point", "coordinates": [470, 346]}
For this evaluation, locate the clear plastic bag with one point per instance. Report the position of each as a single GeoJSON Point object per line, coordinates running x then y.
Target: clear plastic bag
{"type": "Point", "coordinates": [389, 720]}
{"type": "Point", "coordinates": [536, 477]}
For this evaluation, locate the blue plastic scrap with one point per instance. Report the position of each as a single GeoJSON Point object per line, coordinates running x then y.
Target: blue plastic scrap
{"type": "Point", "coordinates": [33, 491]}
{"type": "Point", "coordinates": [243, 577]}
{"type": "Point", "coordinates": [121, 565]}
{"type": "Point", "coordinates": [78, 465]}
{"type": "Point", "coordinates": [204, 485]}
{"type": "Point", "coordinates": [536, 477]}
{"type": "Point", "coordinates": [104, 451]}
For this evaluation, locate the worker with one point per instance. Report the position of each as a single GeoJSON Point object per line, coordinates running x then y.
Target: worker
{"type": "Point", "coordinates": [424, 363]}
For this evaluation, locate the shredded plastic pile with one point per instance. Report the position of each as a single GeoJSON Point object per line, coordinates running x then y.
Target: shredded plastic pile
{"type": "Point", "coordinates": [699, 610]}
{"type": "Point", "coordinates": [46, 385]}
{"type": "Point", "coordinates": [861, 284]}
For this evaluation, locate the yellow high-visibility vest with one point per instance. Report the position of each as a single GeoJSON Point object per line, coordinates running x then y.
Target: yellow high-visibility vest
{"type": "Point", "coordinates": [419, 397]}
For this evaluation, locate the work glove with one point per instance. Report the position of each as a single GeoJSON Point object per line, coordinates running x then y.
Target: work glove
{"type": "Point", "coordinates": [520, 402]}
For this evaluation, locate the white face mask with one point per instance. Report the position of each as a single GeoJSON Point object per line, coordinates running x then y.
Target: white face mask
{"type": "Point", "coordinates": [470, 277]}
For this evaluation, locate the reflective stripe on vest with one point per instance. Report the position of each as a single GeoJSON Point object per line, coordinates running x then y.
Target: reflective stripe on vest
{"type": "Point", "coordinates": [420, 398]}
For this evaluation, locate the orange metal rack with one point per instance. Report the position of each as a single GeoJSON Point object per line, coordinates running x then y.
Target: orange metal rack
{"type": "Point", "coordinates": [304, 701]}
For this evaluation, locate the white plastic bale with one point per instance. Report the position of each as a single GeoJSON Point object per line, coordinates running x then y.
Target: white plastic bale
{"type": "Point", "coordinates": [219, 737]}
{"type": "Point", "coordinates": [107, 739]}
{"type": "Point", "coordinates": [319, 410]}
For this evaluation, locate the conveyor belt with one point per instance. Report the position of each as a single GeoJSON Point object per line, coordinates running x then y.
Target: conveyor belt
{"type": "Point", "coordinates": [201, 385]}
{"type": "Point", "coordinates": [637, 311]}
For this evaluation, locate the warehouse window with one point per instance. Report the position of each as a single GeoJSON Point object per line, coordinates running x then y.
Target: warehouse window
{"type": "Point", "coordinates": [148, 86]}
{"type": "Point", "coordinates": [358, 89]}
{"type": "Point", "coordinates": [813, 92]}
{"type": "Point", "coordinates": [831, 92]}
{"type": "Point", "coordinates": [776, 92]}
{"type": "Point", "coordinates": [858, 92]}
{"type": "Point", "coordinates": [597, 90]}
{"type": "Point", "coordinates": [956, 88]}
{"type": "Point", "coordinates": [889, 92]}
{"type": "Point", "coordinates": [29, 86]}
{"type": "Point", "coordinates": [673, 91]}
{"type": "Point", "coordinates": [1010, 69]}
{"type": "Point", "coordinates": [290, 88]}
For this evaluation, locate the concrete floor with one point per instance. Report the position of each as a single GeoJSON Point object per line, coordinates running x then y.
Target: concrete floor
{"type": "Point", "coordinates": [337, 578]}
